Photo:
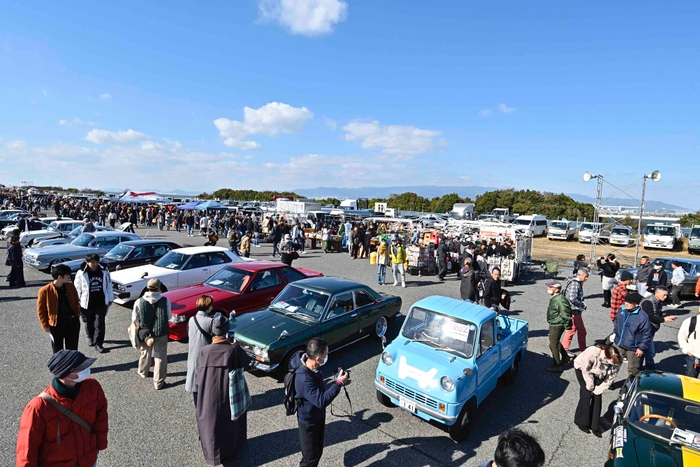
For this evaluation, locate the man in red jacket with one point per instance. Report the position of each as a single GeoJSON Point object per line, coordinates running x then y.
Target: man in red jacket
{"type": "Point", "coordinates": [67, 424]}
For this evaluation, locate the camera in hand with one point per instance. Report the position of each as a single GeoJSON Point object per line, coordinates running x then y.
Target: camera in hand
{"type": "Point", "coordinates": [340, 368]}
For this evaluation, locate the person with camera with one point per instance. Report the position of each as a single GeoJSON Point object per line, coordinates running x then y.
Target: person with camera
{"type": "Point", "coordinates": [609, 266]}
{"type": "Point", "coordinates": [151, 315]}
{"type": "Point", "coordinates": [312, 399]}
{"type": "Point", "coordinates": [516, 448]}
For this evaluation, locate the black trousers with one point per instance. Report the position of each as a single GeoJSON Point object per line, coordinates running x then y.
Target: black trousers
{"type": "Point", "coordinates": [94, 319]}
{"type": "Point", "coordinates": [607, 296]}
{"type": "Point", "coordinates": [676, 294]}
{"type": "Point", "coordinates": [589, 405]}
{"type": "Point", "coordinates": [442, 272]}
{"type": "Point", "coordinates": [65, 335]}
{"type": "Point", "coordinates": [311, 440]}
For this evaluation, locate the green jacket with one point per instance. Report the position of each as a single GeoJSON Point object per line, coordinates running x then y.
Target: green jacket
{"type": "Point", "coordinates": [559, 311]}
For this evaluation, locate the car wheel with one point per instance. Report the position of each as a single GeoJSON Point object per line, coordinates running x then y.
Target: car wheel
{"type": "Point", "coordinates": [286, 363]}
{"type": "Point", "coordinates": [510, 375]}
{"type": "Point", "coordinates": [464, 424]}
{"type": "Point", "coordinates": [380, 327]}
{"type": "Point", "coordinates": [384, 400]}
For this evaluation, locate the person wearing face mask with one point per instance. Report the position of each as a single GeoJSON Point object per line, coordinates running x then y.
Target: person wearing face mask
{"type": "Point", "coordinates": [596, 369]}
{"type": "Point", "coordinates": [313, 397]}
{"type": "Point", "coordinates": [559, 319]}
{"type": "Point", "coordinates": [48, 435]}
{"type": "Point", "coordinates": [632, 332]}
{"type": "Point", "coordinates": [657, 277]}
{"type": "Point", "coordinates": [397, 254]}
{"type": "Point", "coordinates": [198, 335]}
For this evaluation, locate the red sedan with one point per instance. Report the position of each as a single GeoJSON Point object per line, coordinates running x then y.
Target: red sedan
{"type": "Point", "coordinates": [244, 287]}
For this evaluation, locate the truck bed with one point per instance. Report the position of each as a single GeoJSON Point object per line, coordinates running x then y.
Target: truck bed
{"type": "Point", "coordinates": [513, 339]}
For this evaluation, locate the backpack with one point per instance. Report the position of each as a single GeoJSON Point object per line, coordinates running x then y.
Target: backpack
{"type": "Point", "coordinates": [291, 403]}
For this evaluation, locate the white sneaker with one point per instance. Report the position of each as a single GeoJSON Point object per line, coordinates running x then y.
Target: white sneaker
{"type": "Point", "coordinates": [403, 284]}
{"type": "Point", "coordinates": [395, 284]}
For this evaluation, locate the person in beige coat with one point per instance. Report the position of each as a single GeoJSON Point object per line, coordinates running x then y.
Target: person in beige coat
{"type": "Point", "coordinates": [596, 369]}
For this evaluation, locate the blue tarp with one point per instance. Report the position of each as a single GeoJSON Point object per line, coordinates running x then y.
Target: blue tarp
{"type": "Point", "coordinates": [210, 205]}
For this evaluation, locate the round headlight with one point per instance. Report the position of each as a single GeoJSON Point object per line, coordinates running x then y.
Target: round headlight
{"type": "Point", "coordinates": [447, 383]}
{"type": "Point", "coordinates": [263, 354]}
{"type": "Point", "coordinates": [387, 358]}
{"type": "Point", "coordinates": [257, 350]}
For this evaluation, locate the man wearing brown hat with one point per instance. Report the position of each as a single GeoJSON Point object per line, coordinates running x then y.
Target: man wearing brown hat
{"type": "Point", "coordinates": [67, 424]}
{"type": "Point", "coordinates": [559, 319]}
{"type": "Point", "coordinates": [633, 334]}
{"type": "Point", "coordinates": [151, 315]}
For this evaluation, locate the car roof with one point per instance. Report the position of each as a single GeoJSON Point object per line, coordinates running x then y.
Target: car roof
{"type": "Point", "coordinates": [330, 285]}
{"type": "Point", "coordinates": [670, 383]}
{"type": "Point", "coordinates": [108, 233]}
{"type": "Point", "coordinates": [255, 266]}
{"type": "Point", "coordinates": [467, 311]}
{"type": "Point", "coordinates": [67, 221]}
{"type": "Point", "coordinates": [668, 258]}
{"type": "Point", "coordinates": [193, 250]}
{"type": "Point", "coordinates": [147, 242]}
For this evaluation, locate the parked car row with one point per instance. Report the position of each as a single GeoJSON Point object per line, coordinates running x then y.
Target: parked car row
{"type": "Point", "coordinates": [691, 268]}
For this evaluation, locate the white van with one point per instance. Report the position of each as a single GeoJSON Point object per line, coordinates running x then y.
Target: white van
{"type": "Point", "coordinates": [534, 223]}
{"type": "Point", "coordinates": [588, 230]}
{"type": "Point", "coordinates": [621, 235]}
{"type": "Point", "coordinates": [561, 230]}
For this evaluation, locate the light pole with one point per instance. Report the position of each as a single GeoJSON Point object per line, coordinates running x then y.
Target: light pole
{"type": "Point", "coordinates": [596, 209]}
{"type": "Point", "coordinates": [655, 176]}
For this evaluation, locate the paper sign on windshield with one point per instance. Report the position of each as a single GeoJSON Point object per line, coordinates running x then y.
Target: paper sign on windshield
{"type": "Point", "coordinates": [456, 331]}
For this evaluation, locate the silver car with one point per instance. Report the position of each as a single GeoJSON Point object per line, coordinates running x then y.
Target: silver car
{"type": "Point", "coordinates": [691, 267]}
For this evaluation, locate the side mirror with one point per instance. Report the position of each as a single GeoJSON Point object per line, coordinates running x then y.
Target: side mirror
{"type": "Point", "coordinates": [119, 266]}
{"type": "Point", "coordinates": [232, 314]}
{"type": "Point", "coordinates": [618, 408]}
{"type": "Point", "coordinates": [283, 335]}
{"type": "Point", "coordinates": [144, 274]}
{"type": "Point", "coordinates": [467, 372]}
{"type": "Point", "coordinates": [383, 342]}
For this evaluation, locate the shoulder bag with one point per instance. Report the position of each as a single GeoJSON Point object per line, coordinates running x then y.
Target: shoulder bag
{"type": "Point", "coordinates": [205, 334]}
{"type": "Point", "coordinates": [66, 411]}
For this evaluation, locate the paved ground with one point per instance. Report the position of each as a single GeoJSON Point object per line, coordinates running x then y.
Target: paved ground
{"type": "Point", "coordinates": [158, 428]}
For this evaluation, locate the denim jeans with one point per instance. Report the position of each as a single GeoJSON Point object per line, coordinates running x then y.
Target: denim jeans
{"type": "Point", "coordinates": [190, 230]}
{"type": "Point", "coordinates": [381, 273]}
{"type": "Point", "coordinates": [255, 238]}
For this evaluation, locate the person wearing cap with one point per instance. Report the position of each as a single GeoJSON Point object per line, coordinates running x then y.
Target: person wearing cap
{"type": "Point", "coordinates": [619, 293]}
{"type": "Point", "coordinates": [652, 306]}
{"type": "Point", "coordinates": [573, 291]}
{"type": "Point", "coordinates": [397, 254]}
{"type": "Point", "coordinates": [58, 307]}
{"type": "Point", "coordinates": [657, 277]}
{"type": "Point", "coordinates": [221, 437]}
{"type": "Point", "coordinates": [152, 312]}
{"type": "Point", "coordinates": [49, 437]}
{"type": "Point", "coordinates": [244, 247]}
{"type": "Point", "coordinates": [94, 286]}
{"type": "Point", "coordinates": [632, 332]}
{"type": "Point", "coordinates": [288, 252]}
{"type": "Point", "coordinates": [559, 319]}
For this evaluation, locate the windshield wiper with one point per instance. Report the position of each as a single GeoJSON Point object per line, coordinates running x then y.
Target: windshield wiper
{"type": "Point", "coordinates": [450, 350]}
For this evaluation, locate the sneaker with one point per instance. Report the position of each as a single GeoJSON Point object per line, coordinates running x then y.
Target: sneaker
{"type": "Point", "coordinates": [142, 375]}
{"type": "Point", "coordinates": [91, 344]}
{"type": "Point", "coordinates": [570, 354]}
{"type": "Point", "coordinates": [395, 284]}
{"type": "Point", "coordinates": [403, 284]}
{"type": "Point", "coordinates": [100, 349]}
{"type": "Point", "coordinates": [160, 386]}
{"type": "Point", "coordinates": [553, 369]}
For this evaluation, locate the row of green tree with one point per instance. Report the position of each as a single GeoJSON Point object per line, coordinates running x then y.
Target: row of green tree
{"type": "Point", "coordinates": [690, 220]}
{"type": "Point", "coordinates": [70, 191]}
{"type": "Point", "coordinates": [247, 195]}
{"type": "Point", "coordinates": [554, 206]}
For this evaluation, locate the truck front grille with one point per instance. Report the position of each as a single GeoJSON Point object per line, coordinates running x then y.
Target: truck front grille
{"type": "Point", "coordinates": [411, 394]}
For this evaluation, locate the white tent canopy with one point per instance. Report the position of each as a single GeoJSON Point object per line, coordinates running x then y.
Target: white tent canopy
{"type": "Point", "coordinates": [147, 197]}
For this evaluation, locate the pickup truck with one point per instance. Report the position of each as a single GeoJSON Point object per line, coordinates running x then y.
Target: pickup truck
{"type": "Point", "coordinates": [447, 359]}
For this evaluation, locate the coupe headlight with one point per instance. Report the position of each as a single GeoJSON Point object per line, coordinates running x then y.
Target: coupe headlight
{"type": "Point", "coordinates": [447, 383]}
{"type": "Point", "coordinates": [387, 358]}
{"type": "Point", "coordinates": [260, 352]}
{"type": "Point", "coordinates": [178, 319]}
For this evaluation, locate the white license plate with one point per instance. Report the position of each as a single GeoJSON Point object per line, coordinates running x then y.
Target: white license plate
{"type": "Point", "coordinates": [407, 404]}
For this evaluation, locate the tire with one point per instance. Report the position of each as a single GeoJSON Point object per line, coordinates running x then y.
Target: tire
{"type": "Point", "coordinates": [282, 370]}
{"type": "Point", "coordinates": [384, 400]}
{"type": "Point", "coordinates": [510, 375]}
{"type": "Point", "coordinates": [464, 424]}
{"type": "Point", "coordinates": [380, 327]}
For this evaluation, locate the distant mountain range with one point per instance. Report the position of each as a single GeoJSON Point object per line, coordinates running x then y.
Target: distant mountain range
{"type": "Point", "coordinates": [649, 205]}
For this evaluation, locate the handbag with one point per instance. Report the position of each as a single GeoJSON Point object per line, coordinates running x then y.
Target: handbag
{"type": "Point", "coordinates": [133, 333]}
{"type": "Point", "coordinates": [239, 395]}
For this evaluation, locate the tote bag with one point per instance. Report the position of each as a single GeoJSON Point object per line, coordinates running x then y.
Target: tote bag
{"type": "Point", "coordinates": [239, 395]}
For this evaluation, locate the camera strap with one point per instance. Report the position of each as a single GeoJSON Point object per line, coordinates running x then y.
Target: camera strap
{"type": "Point", "coordinates": [349, 402]}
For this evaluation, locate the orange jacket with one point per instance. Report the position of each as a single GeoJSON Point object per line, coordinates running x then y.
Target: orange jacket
{"type": "Point", "coordinates": [47, 437]}
{"type": "Point", "coordinates": [47, 303]}
{"type": "Point", "coordinates": [697, 287]}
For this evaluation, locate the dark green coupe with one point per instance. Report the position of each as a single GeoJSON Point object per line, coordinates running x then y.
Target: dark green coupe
{"type": "Point", "coordinates": [338, 310]}
{"type": "Point", "coordinates": [657, 422]}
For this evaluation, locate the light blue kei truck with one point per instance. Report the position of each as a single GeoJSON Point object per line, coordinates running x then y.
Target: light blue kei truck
{"type": "Point", "coordinates": [447, 359]}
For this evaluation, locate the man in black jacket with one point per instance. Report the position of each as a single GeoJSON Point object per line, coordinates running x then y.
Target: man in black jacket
{"type": "Point", "coordinates": [652, 306]}
{"type": "Point", "coordinates": [442, 258]}
{"type": "Point", "coordinates": [609, 266]}
{"type": "Point", "coordinates": [492, 290]}
{"type": "Point", "coordinates": [313, 397]}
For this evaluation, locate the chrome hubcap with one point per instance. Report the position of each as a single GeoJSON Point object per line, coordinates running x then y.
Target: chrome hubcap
{"type": "Point", "coordinates": [380, 327]}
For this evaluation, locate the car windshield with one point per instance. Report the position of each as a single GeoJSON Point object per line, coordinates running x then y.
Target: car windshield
{"type": "Point", "coordinates": [618, 231]}
{"type": "Point", "coordinates": [522, 222]}
{"type": "Point", "coordinates": [230, 279]}
{"type": "Point", "coordinates": [440, 331]}
{"type": "Point", "coordinates": [660, 415]}
{"type": "Point", "coordinates": [695, 234]}
{"type": "Point", "coordinates": [83, 240]}
{"type": "Point", "coordinates": [458, 215]}
{"type": "Point", "coordinates": [75, 232]}
{"type": "Point", "coordinates": [558, 225]}
{"type": "Point", "coordinates": [53, 227]}
{"type": "Point", "coordinates": [659, 230]}
{"type": "Point", "coordinates": [119, 252]}
{"type": "Point", "coordinates": [172, 260]}
{"type": "Point", "coordinates": [298, 300]}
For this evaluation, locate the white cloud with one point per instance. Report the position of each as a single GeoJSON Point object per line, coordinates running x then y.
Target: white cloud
{"type": "Point", "coordinates": [270, 119]}
{"type": "Point", "coordinates": [16, 145]}
{"type": "Point", "coordinates": [304, 17]}
{"type": "Point", "coordinates": [117, 137]}
{"type": "Point", "coordinates": [75, 121]}
{"type": "Point", "coordinates": [44, 92]}
{"type": "Point", "coordinates": [174, 145]}
{"type": "Point", "coordinates": [505, 109]}
{"type": "Point", "coordinates": [332, 124]}
{"type": "Point", "coordinates": [105, 96]}
{"type": "Point", "coordinates": [149, 145]}
{"type": "Point", "coordinates": [485, 112]}
{"type": "Point", "coordinates": [393, 139]}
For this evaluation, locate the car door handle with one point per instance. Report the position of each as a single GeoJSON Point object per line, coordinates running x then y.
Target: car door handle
{"type": "Point", "coordinates": [353, 315]}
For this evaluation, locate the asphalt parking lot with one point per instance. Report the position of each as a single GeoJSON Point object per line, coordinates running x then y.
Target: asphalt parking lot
{"type": "Point", "coordinates": [158, 428]}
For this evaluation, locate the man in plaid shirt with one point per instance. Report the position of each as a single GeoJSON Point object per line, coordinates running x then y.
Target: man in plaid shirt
{"type": "Point", "coordinates": [619, 293]}
{"type": "Point", "coordinates": [573, 291]}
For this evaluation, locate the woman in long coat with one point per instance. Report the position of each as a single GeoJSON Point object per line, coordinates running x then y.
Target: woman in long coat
{"type": "Point", "coordinates": [220, 436]}
{"type": "Point", "coordinates": [14, 260]}
{"type": "Point", "coordinates": [468, 288]}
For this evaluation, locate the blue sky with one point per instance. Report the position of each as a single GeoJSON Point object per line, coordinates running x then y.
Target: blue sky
{"type": "Point", "coordinates": [280, 94]}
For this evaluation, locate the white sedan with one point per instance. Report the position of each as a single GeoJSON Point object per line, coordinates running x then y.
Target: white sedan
{"type": "Point", "coordinates": [177, 269]}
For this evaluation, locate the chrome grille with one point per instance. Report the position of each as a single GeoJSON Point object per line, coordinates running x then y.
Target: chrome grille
{"type": "Point", "coordinates": [411, 394]}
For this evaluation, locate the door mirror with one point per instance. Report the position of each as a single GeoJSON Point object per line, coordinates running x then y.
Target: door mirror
{"type": "Point", "coordinates": [232, 314]}
{"type": "Point", "coordinates": [467, 372]}
{"type": "Point", "coordinates": [144, 274]}
{"type": "Point", "coordinates": [283, 335]}
{"type": "Point", "coordinates": [383, 342]}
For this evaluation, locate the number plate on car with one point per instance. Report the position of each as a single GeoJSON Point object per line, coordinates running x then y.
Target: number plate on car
{"type": "Point", "coordinates": [407, 404]}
